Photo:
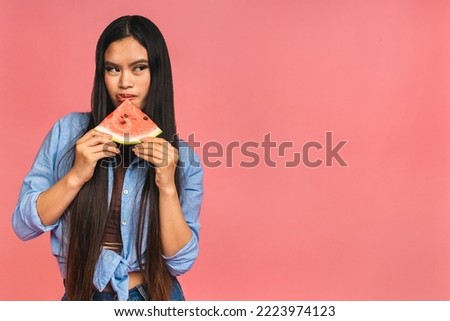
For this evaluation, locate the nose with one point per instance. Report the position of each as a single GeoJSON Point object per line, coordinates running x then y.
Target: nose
{"type": "Point", "coordinates": [126, 80]}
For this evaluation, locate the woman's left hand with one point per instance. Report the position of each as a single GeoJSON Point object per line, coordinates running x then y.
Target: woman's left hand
{"type": "Point", "coordinates": [164, 158]}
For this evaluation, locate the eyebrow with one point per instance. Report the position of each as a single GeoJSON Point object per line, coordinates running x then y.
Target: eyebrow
{"type": "Point", "coordinates": [140, 61]}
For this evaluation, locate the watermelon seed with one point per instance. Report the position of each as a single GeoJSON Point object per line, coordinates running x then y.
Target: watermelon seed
{"type": "Point", "coordinates": [123, 122]}
{"type": "Point", "coordinates": [145, 118]}
{"type": "Point", "coordinates": [125, 115]}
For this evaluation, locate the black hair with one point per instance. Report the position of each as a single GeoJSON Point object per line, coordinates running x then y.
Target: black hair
{"type": "Point", "coordinates": [86, 215]}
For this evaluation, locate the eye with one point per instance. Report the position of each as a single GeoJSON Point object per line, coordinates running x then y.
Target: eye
{"type": "Point", "coordinates": [140, 67]}
{"type": "Point", "coordinates": [112, 69]}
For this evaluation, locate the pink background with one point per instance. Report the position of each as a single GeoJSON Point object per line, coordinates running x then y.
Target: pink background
{"type": "Point", "coordinates": [375, 73]}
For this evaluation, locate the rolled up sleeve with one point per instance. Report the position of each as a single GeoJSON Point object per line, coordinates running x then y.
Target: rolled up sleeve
{"type": "Point", "coordinates": [25, 219]}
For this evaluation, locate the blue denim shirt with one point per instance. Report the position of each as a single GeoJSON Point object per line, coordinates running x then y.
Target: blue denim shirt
{"type": "Point", "coordinates": [54, 160]}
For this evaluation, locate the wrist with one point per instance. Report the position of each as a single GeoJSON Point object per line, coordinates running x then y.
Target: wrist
{"type": "Point", "coordinates": [73, 181]}
{"type": "Point", "coordinates": [168, 191]}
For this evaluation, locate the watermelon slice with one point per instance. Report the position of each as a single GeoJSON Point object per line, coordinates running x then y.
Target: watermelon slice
{"type": "Point", "coordinates": [128, 124]}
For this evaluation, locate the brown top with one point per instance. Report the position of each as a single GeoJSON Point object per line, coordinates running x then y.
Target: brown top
{"type": "Point", "coordinates": [112, 237]}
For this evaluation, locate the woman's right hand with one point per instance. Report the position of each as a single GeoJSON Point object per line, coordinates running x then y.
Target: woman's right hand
{"type": "Point", "coordinates": [89, 149]}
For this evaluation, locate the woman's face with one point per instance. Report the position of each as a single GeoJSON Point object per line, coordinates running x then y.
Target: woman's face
{"type": "Point", "coordinates": [127, 72]}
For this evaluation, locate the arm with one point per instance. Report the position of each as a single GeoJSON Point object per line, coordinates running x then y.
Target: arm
{"type": "Point", "coordinates": [43, 198]}
{"type": "Point", "coordinates": [175, 232]}
{"type": "Point", "coordinates": [179, 224]}
{"type": "Point", "coordinates": [90, 148]}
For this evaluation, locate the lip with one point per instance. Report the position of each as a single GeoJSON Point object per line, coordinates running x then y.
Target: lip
{"type": "Point", "coordinates": [122, 97]}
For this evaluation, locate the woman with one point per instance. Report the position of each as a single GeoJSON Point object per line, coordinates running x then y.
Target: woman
{"type": "Point", "coordinates": [124, 221]}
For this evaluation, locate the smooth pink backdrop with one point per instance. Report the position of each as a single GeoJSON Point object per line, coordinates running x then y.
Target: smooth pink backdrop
{"type": "Point", "coordinates": [375, 73]}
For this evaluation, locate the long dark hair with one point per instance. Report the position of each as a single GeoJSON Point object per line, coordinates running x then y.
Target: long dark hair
{"type": "Point", "coordinates": [86, 215]}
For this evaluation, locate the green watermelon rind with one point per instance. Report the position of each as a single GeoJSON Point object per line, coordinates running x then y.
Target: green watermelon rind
{"type": "Point", "coordinates": [109, 124]}
{"type": "Point", "coordinates": [131, 140]}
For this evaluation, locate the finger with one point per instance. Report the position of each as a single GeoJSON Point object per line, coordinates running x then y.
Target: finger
{"type": "Point", "coordinates": [150, 150]}
{"type": "Point", "coordinates": [159, 152]}
{"type": "Point", "coordinates": [99, 133]}
{"type": "Point", "coordinates": [154, 161]}
{"type": "Point", "coordinates": [96, 140]}
{"type": "Point", "coordinates": [93, 133]}
{"type": "Point", "coordinates": [142, 152]}
{"type": "Point", "coordinates": [111, 144]}
{"type": "Point", "coordinates": [156, 140]}
{"type": "Point", "coordinates": [104, 155]}
{"type": "Point", "coordinates": [157, 143]}
{"type": "Point", "coordinates": [104, 148]}
{"type": "Point", "coordinates": [93, 156]}
{"type": "Point", "coordinates": [156, 157]}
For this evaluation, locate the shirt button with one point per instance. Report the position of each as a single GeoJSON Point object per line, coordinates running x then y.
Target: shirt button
{"type": "Point", "coordinates": [124, 222]}
{"type": "Point", "coordinates": [125, 192]}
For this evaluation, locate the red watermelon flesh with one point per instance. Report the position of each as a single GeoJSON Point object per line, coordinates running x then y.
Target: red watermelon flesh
{"type": "Point", "coordinates": [128, 124]}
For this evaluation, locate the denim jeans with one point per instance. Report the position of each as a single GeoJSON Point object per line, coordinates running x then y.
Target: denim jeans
{"type": "Point", "coordinates": [138, 293]}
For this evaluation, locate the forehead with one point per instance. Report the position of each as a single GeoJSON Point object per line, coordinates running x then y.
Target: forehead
{"type": "Point", "coordinates": [125, 50]}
